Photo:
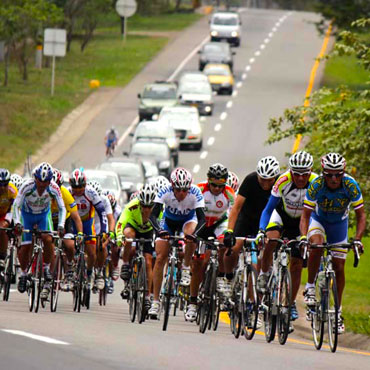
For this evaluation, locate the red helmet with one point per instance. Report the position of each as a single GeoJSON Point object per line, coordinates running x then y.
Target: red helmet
{"type": "Point", "coordinates": [77, 178]}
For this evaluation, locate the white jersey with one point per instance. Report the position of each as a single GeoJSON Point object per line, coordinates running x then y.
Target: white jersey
{"type": "Point", "coordinates": [108, 211]}
{"type": "Point", "coordinates": [117, 212]}
{"type": "Point", "coordinates": [30, 201]}
{"type": "Point", "coordinates": [180, 211]}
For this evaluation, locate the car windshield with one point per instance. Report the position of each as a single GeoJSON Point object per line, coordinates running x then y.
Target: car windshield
{"type": "Point", "coordinates": [214, 48]}
{"type": "Point", "coordinates": [149, 149]}
{"type": "Point", "coordinates": [195, 88]}
{"type": "Point", "coordinates": [220, 71]}
{"type": "Point", "coordinates": [126, 170]}
{"type": "Point", "coordinates": [225, 21]}
{"type": "Point", "coordinates": [154, 130]}
{"type": "Point", "coordinates": [106, 181]}
{"type": "Point", "coordinates": [159, 92]}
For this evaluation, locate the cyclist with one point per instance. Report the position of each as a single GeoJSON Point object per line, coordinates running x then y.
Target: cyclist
{"type": "Point", "coordinates": [88, 201]}
{"type": "Point", "coordinates": [233, 181]}
{"type": "Point", "coordinates": [183, 205]}
{"type": "Point", "coordinates": [325, 217]}
{"type": "Point", "coordinates": [218, 199]}
{"type": "Point", "coordinates": [71, 216]}
{"type": "Point", "coordinates": [282, 215]}
{"type": "Point", "coordinates": [116, 208]}
{"type": "Point", "coordinates": [134, 223]}
{"type": "Point", "coordinates": [32, 207]}
{"type": "Point", "coordinates": [111, 139]}
{"type": "Point", "coordinates": [16, 180]}
{"type": "Point", "coordinates": [244, 216]}
{"type": "Point", "coordinates": [8, 193]}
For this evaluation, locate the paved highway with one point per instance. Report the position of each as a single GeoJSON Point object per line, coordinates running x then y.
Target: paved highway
{"type": "Point", "coordinates": [272, 69]}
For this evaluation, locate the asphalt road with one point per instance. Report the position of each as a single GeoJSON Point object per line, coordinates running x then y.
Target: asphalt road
{"type": "Point", "coordinates": [272, 69]}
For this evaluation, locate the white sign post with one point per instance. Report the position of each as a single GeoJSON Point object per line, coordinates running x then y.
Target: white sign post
{"type": "Point", "coordinates": [125, 9]}
{"type": "Point", "coordinates": [55, 43]}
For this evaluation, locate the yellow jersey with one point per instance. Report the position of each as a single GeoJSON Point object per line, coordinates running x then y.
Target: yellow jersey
{"type": "Point", "coordinates": [7, 199]}
{"type": "Point", "coordinates": [69, 202]}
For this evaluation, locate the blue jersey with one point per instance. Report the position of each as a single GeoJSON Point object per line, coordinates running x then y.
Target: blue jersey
{"type": "Point", "coordinates": [332, 206]}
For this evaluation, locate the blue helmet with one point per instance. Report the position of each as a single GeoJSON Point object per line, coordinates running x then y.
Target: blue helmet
{"type": "Point", "coordinates": [43, 172]}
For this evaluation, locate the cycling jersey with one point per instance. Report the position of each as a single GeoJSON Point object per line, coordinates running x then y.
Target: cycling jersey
{"type": "Point", "coordinates": [332, 206]}
{"type": "Point", "coordinates": [69, 203]}
{"type": "Point", "coordinates": [30, 202]}
{"type": "Point", "coordinates": [117, 212]}
{"type": "Point", "coordinates": [108, 211]}
{"type": "Point", "coordinates": [6, 201]}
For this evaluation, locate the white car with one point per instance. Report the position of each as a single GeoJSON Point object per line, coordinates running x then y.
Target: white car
{"type": "Point", "coordinates": [225, 26]}
{"type": "Point", "coordinates": [185, 121]}
{"type": "Point", "coordinates": [193, 76]}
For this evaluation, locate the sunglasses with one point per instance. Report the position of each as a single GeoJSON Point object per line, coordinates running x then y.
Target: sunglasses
{"type": "Point", "coordinates": [184, 190]}
{"type": "Point", "coordinates": [220, 186]}
{"type": "Point", "coordinates": [145, 206]}
{"type": "Point", "coordinates": [296, 173]}
{"type": "Point", "coordinates": [336, 175]}
{"type": "Point", "coordinates": [78, 187]}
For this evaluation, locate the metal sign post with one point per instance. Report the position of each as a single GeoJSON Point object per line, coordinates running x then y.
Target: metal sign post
{"type": "Point", "coordinates": [55, 42]}
{"type": "Point", "coordinates": [125, 9]}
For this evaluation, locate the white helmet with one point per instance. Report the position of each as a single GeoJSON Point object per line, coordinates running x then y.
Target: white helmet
{"type": "Point", "coordinates": [233, 181]}
{"type": "Point", "coordinates": [16, 180]}
{"type": "Point", "coordinates": [181, 178]}
{"type": "Point", "coordinates": [147, 195]}
{"type": "Point", "coordinates": [333, 161]}
{"type": "Point", "coordinates": [96, 186]}
{"type": "Point", "coordinates": [160, 182]}
{"type": "Point", "coordinates": [268, 167]}
{"type": "Point", "coordinates": [43, 172]}
{"type": "Point", "coordinates": [301, 161]}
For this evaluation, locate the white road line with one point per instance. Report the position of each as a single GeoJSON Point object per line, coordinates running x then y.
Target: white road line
{"type": "Point", "coordinates": [223, 116]}
{"type": "Point", "coordinates": [229, 104]}
{"type": "Point", "coordinates": [211, 141]}
{"type": "Point", "coordinates": [251, 60]}
{"type": "Point", "coordinates": [202, 119]}
{"type": "Point", "coordinates": [262, 46]}
{"type": "Point", "coordinates": [257, 53]}
{"type": "Point", "coordinates": [203, 154]}
{"type": "Point", "coordinates": [196, 168]}
{"type": "Point", "coordinates": [218, 127]}
{"type": "Point", "coordinates": [34, 336]}
{"type": "Point", "coordinates": [239, 84]}
{"type": "Point", "coordinates": [266, 40]}
{"type": "Point", "coordinates": [277, 24]}
{"type": "Point", "coordinates": [271, 34]}
{"type": "Point", "coordinates": [244, 76]}
{"type": "Point", "coordinates": [274, 29]}
{"type": "Point", "coordinates": [248, 68]}
{"type": "Point", "coordinates": [235, 93]}
{"type": "Point", "coordinates": [128, 130]}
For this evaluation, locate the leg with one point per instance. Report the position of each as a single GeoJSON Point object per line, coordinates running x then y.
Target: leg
{"type": "Point", "coordinates": [295, 271]}
{"type": "Point", "coordinates": [338, 266]}
{"type": "Point", "coordinates": [231, 261]}
{"type": "Point", "coordinates": [269, 250]}
{"type": "Point", "coordinates": [161, 249]}
{"type": "Point", "coordinates": [149, 270]}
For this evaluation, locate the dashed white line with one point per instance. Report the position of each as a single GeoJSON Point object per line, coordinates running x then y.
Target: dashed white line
{"type": "Point", "coordinates": [239, 84]}
{"type": "Point", "coordinates": [274, 29]}
{"type": "Point", "coordinates": [251, 60]}
{"type": "Point", "coordinates": [262, 46]}
{"type": "Point", "coordinates": [128, 130]}
{"type": "Point", "coordinates": [271, 34]}
{"type": "Point", "coordinates": [235, 93]}
{"type": "Point", "coordinates": [203, 154]}
{"type": "Point", "coordinates": [218, 127]}
{"type": "Point", "coordinates": [248, 68]}
{"type": "Point", "coordinates": [229, 104]}
{"type": "Point", "coordinates": [35, 337]}
{"type": "Point", "coordinates": [257, 53]}
{"type": "Point", "coordinates": [244, 76]}
{"type": "Point", "coordinates": [266, 40]}
{"type": "Point", "coordinates": [277, 24]}
{"type": "Point", "coordinates": [202, 119]}
{"type": "Point", "coordinates": [211, 141]}
{"type": "Point", "coordinates": [196, 168]}
{"type": "Point", "coordinates": [223, 115]}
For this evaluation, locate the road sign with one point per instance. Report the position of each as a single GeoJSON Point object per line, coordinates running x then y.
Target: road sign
{"type": "Point", "coordinates": [126, 8]}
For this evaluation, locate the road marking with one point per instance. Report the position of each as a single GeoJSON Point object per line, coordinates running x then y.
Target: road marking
{"type": "Point", "coordinates": [36, 337]}
{"type": "Point", "coordinates": [211, 141]}
{"type": "Point", "coordinates": [266, 40]}
{"type": "Point", "coordinates": [128, 130]}
{"type": "Point", "coordinates": [196, 168]}
{"type": "Point", "coordinates": [214, 93]}
{"type": "Point", "coordinates": [229, 104]}
{"type": "Point", "coordinates": [248, 68]}
{"type": "Point", "coordinates": [262, 46]}
{"type": "Point", "coordinates": [251, 60]}
{"type": "Point", "coordinates": [271, 34]}
{"type": "Point", "coordinates": [274, 29]}
{"type": "Point", "coordinates": [218, 127]}
{"type": "Point", "coordinates": [298, 139]}
{"type": "Point", "coordinates": [223, 116]}
{"type": "Point", "coordinates": [235, 93]}
{"type": "Point", "coordinates": [239, 84]}
{"type": "Point", "coordinates": [203, 154]}
{"type": "Point", "coordinates": [277, 24]}
{"type": "Point", "coordinates": [202, 119]}
{"type": "Point", "coordinates": [244, 76]}
{"type": "Point", "coordinates": [257, 53]}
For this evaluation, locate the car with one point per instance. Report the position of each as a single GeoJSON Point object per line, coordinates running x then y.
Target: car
{"type": "Point", "coordinates": [131, 172]}
{"type": "Point", "coordinates": [109, 180]}
{"type": "Point", "coordinates": [192, 76]}
{"type": "Point", "coordinates": [225, 26]}
{"type": "Point", "coordinates": [153, 151]}
{"type": "Point", "coordinates": [185, 121]}
{"type": "Point", "coordinates": [197, 94]}
{"type": "Point", "coordinates": [220, 77]}
{"type": "Point", "coordinates": [155, 96]}
{"type": "Point", "coordinates": [153, 130]}
{"type": "Point", "coordinates": [216, 52]}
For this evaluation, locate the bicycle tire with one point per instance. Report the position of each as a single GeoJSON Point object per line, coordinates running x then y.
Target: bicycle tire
{"type": "Point", "coordinates": [269, 318]}
{"type": "Point", "coordinates": [80, 283]}
{"type": "Point", "coordinates": [8, 275]}
{"type": "Point", "coordinates": [317, 326]}
{"type": "Point", "coordinates": [250, 302]}
{"type": "Point", "coordinates": [38, 273]}
{"type": "Point", "coordinates": [31, 292]}
{"type": "Point", "coordinates": [55, 283]}
{"type": "Point", "coordinates": [284, 306]}
{"type": "Point", "coordinates": [86, 296]}
{"type": "Point", "coordinates": [332, 310]}
{"type": "Point", "coordinates": [237, 315]}
{"type": "Point", "coordinates": [133, 292]}
{"type": "Point", "coordinates": [212, 293]}
{"type": "Point", "coordinates": [167, 295]}
{"type": "Point", "coordinates": [216, 315]}
{"type": "Point", "coordinates": [205, 302]}
{"type": "Point", "coordinates": [141, 291]}
{"type": "Point", "coordinates": [103, 293]}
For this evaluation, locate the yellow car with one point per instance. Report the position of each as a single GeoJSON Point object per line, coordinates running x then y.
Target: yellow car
{"type": "Point", "coordinates": [220, 77]}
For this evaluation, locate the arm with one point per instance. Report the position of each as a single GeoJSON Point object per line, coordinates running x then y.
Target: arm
{"type": "Point", "coordinates": [201, 219]}
{"type": "Point", "coordinates": [305, 220]}
{"type": "Point", "coordinates": [266, 213]}
{"type": "Point", "coordinates": [77, 221]}
{"type": "Point", "coordinates": [235, 210]}
{"type": "Point", "coordinates": [62, 209]}
{"type": "Point", "coordinates": [99, 207]}
{"type": "Point", "coordinates": [157, 209]}
{"type": "Point", "coordinates": [360, 222]}
{"type": "Point", "coordinates": [110, 222]}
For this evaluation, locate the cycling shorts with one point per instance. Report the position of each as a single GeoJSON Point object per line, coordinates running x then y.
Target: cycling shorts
{"type": "Point", "coordinates": [88, 228]}
{"type": "Point", "coordinates": [43, 221]}
{"type": "Point", "coordinates": [172, 226]}
{"type": "Point", "coordinates": [148, 246]}
{"type": "Point", "coordinates": [332, 233]}
{"type": "Point", "coordinates": [109, 143]}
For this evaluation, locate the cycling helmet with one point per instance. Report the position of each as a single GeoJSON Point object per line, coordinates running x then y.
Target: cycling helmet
{"type": "Point", "coordinates": [112, 198]}
{"type": "Point", "coordinates": [96, 186]}
{"type": "Point", "coordinates": [233, 181]}
{"type": "Point", "coordinates": [217, 171]}
{"type": "Point", "coordinates": [4, 176]}
{"type": "Point", "coordinates": [181, 178]}
{"type": "Point", "coordinates": [16, 180]}
{"type": "Point", "coordinates": [134, 195]}
{"type": "Point", "coordinates": [301, 161]}
{"type": "Point", "coordinates": [43, 172]}
{"type": "Point", "coordinates": [160, 182]}
{"type": "Point", "coordinates": [77, 178]}
{"type": "Point", "coordinates": [147, 195]}
{"type": "Point", "coordinates": [268, 167]}
{"type": "Point", "coordinates": [57, 176]}
{"type": "Point", "coordinates": [333, 161]}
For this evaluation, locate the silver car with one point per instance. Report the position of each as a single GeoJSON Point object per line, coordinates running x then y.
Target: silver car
{"type": "Point", "coordinates": [225, 26]}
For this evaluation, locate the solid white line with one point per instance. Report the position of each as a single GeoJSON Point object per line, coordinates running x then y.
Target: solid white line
{"type": "Point", "coordinates": [203, 154]}
{"type": "Point", "coordinates": [229, 104]}
{"type": "Point", "coordinates": [128, 130]}
{"type": "Point", "coordinates": [257, 53]}
{"type": "Point", "coordinates": [251, 60]}
{"type": "Point", "coordinates": [235, 93]}
{"type": "Point", "coordinates": [239, 84]}
{"type": "Point", "coordinates": [211, 141]}
{"type": "Point", "coordinates": [262, 46]}
{"type": "Point", "coordinates": [244, 76]}
{"type": "Point", "coordinates": [223, 116]}
{"type": "Point", "coordinates": [196, 168]}
{"type": "Point", "coordinates": [248, 68]}
{"type": "Point", "coordinates": [36, 337]}
{"type": "Point", "coordinates": [218, 127]}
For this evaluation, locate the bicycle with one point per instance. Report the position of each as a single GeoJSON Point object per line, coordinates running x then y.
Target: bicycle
{"type": "Point", "coordinates": [107, 279]}
{"type": "Point", "coordinates": [326, 308]}
{"type": "Point", "coordinates": [276, 301]}
{"type": "Point", "coordinates": [138, 284]}
{"type": "Point", "coordinates": [10, 269]}
{"type": "Point", "coordinates": [57, 274]}
{"type": "Point", "coordinates": [245, 299]}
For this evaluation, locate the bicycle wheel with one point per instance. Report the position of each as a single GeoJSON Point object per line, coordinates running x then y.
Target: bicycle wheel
{"type": "Point", "coordinates": [250, 302]}
{"type": "Point", "coordinates": [31, 292]}
{"type": "Point", "coordinates": [332, 311]}
{"type": "Point", "coordinates": [212, 294]}
{"type": "Point", "coordinates": [39, 280]}
{"type": "Point", "coordinates": [103, 293]}
{"type": "Point", "coordinates": [55, 283]}
{"type": "Point", "coordinates": [216, 313]}
{"type": "Point", "coordinates": [168, 294]}
{"type": "Point", "coordinates": [8, 276]}
{"type": "Point", "coordinates": [133, 292]}
{"type": "Point", "coordinates": [284, 306]}
{"type": "Point", "coordinates": [317, 325]}
{"type": "Point", "coordinates": [236, 298]}
{"type": "Point", "coordinates": [269, 314]}
{"type": "Point", "coordinates": [205, 302]}
{"type": "Point", "coordinates": [79, 284]}
{"type": "Point", "coordinates": [86, 296]}
{"type": "Point", "coordinates": [141, 291]}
